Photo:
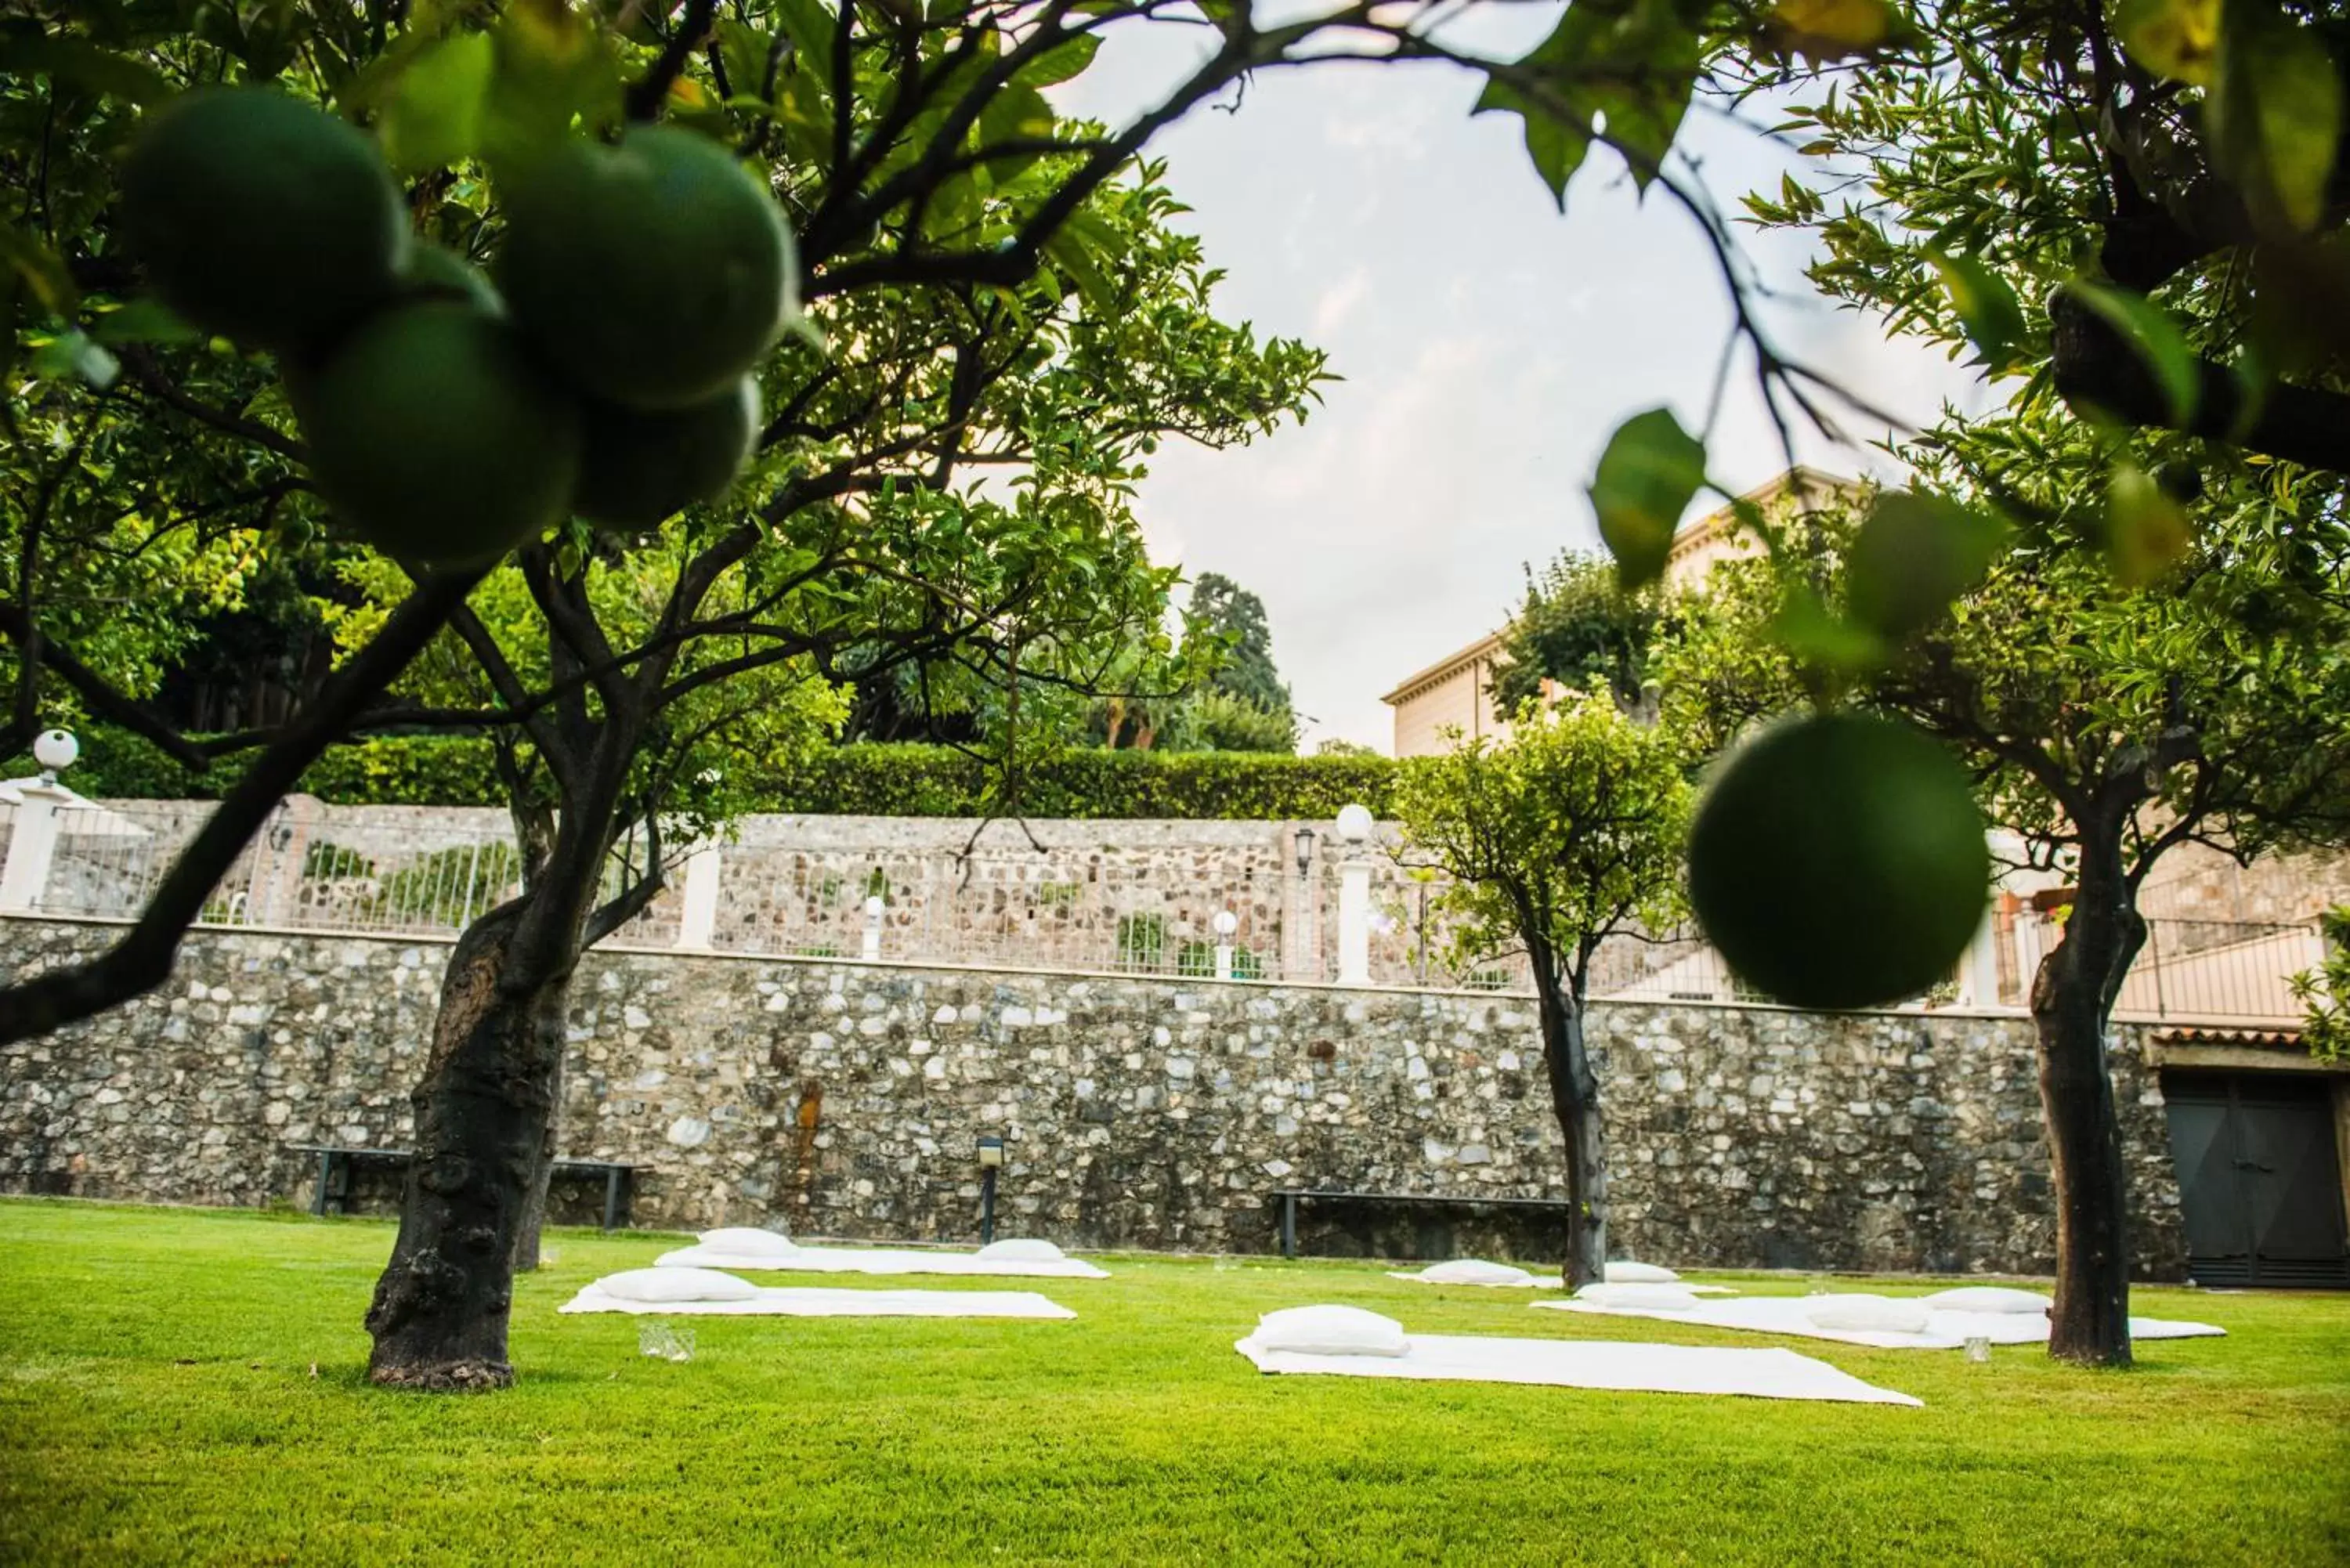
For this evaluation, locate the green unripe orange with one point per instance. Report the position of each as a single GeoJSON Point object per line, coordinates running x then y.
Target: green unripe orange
{"type": "Point", "coordinates": [438, 439]}
{"type": "Point", "coordinates": [654, 274]}
{"type": "Point", "coordinates": [1838, 861]}
{"type": "Point", "coordinates": [637, 468]}
{"type": "Point", "coordinates": [262, 218]}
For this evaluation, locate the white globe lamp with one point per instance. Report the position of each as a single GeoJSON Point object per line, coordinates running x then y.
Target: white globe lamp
{"type": "Point", "coordinates": [55, 750]}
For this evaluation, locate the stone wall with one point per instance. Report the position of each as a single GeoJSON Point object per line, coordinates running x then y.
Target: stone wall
{"type": "Point", "coordinates": [843, 1099]}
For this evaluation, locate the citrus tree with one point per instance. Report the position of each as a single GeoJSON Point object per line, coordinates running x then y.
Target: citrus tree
{"type": "Point", "coordinates": [1576, 627]}
{"type": "Point", "coordinates": [1569, 832]}
{"type": "Point", "coordinates": [612, 502]}
{"type": "Point", "coordinates": [2102, 726]}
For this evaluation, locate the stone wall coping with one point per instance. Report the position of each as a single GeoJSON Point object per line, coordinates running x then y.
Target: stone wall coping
{"type": "Point", "coordinates": [442, 938]}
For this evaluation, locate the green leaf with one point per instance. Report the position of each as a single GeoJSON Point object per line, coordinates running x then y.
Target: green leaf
{"type": "Point", "coordinates": [1556, 149]}
{"type": "Point", "coordinates": [1062, 61]}
{"type": "Point", "coordinates": [2174, 38]}
{"type": "Point", "coordinates": [85, 65]}
{"type": "Point", "coordinates": [1987, 308]}
{"type": "Point", "coordinates": [1828, 30]}
{"type": "Point", "coordinates": [1913, 557]}
{"type": "Point", "coordinates": [1631, 65]}
{"type": "Point", "coordinates": [809, 27]}
{"type": "Point", "coordinates": [144, 321]}
{"type": "Point", "coordinates": [2147, 528]}
{"type": "Point", "coordinates": [2155, 336]}
{"type": "Point", "coordinates": [2274, 115]}
{"type": "Point", "coordinates": [1650, 471]}
{"type": "Point", "coordinates": [433, 116]}
{"type": "Point", "coordinates": [1805, 627]}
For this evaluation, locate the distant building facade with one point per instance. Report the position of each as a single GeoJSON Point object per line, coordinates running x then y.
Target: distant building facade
{"type": "Point", "coordinates": [1456, 693]}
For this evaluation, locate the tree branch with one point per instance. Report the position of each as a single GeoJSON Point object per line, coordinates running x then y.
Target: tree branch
{"type": "Point", "coordinates": [647, 93]}
{"type": "Point", "coordinates": [141, 960]}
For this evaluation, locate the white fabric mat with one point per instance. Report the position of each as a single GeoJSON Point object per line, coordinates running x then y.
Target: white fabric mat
{"type": "Point", "coordinates": [878, 1261]}
{"type": "Point", "coordinates": [1544, 1283]}
{"type": "Point", "coordinates": [1944, 1330]}
{"type": "Point", "coordinates": [810, 1301]}
{"type": "Point", "coordinates": [1593, 1364]}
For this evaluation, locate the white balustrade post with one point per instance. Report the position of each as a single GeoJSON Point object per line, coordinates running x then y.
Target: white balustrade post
{"type": "Point", "coordinates": [1978, 970]}
{"type": "Point", "coordinates": [874, 907]}
{"type": "Point", "coordinates": [32, 842]}
{"type": "Point", "coordinates": [697, 921]}
{"type": "Point", "coordinates": [2027, 930]}
{"type": "Point", "coordinates": [1354, 899]}
{"type": "Point", "coordinates": [1226, 923]}
{"type": "Point", "coordinates": [33, 837]}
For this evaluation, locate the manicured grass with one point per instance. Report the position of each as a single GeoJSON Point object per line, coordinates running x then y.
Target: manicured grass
{"type": "Point", "coordinates": [181, 1385]}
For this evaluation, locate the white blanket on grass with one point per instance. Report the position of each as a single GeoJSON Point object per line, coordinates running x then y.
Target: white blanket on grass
{"type": "Point", "coordinates": [1541, 1283]}
{"type": "Point", "coordinates": [810, 1301]}
{"type": "Point", "coordinates": [1593, 1364]}
{"type": "Point", "coordinates": [1944, 1330]}
{"type": "Point", "coordinates": [878, 1261]}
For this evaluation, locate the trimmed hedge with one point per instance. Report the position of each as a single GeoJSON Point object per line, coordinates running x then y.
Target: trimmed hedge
{"type": "Point", "coordinates": [847, 781]}
{"type": "Point", "coordinates": [391, 770]}
{"type": "Point", "coordinates": [938, 781]}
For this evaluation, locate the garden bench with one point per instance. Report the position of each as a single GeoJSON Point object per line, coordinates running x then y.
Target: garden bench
{"type": "Point", "coordinates": [619, 1179]}
{"type": "Point", "coordinates": [1292, 1198]}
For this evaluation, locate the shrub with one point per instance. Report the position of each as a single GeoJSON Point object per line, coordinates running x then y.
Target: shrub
{"type": "Point", "coordinates": [846, 781]}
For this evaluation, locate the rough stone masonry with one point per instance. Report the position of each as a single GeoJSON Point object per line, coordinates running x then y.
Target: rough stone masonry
{"type": "Point", "coordinates": [843, 1099]}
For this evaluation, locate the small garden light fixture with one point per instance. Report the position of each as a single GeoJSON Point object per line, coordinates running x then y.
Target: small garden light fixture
{"type": "Point", "coordinates": [55, 750]}
{"type": "Point", "coordinates": [990, 1160]}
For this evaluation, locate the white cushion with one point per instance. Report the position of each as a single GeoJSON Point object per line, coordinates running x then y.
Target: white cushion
{"type": "Point", "coordinates": [1867, 1315]}
{"type": "Point", "coordinates": [1021, 1251]}
{"type": "Point", "coordinates": [676, 1285]}
{"type": "Point", "coordinates": [749, 1241]}
{"type": "Point", "coordinates": [1330, 1331]}
{"type": "Point", "coordinates": [1986, 1298]}
{"type": "Point", "coordinates": [1626, 1272]}
{"type": "Point", "coordinates": [1475, 1272]}
{"type": "Point", "coordinates": [1640, 1298]}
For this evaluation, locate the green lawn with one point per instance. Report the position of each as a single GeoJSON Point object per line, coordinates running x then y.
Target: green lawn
{"type": "Point", "coordinates": [184, 1386]}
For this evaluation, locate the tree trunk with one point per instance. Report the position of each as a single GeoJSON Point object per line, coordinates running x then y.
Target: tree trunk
{"type": "Point", "coordinates": [1574, 1096]}
{"type": "Point", "coordinates": [542, 1173]}
{"type": "Point", "coordinates": [2072, 1001]}
{"type": "Point", "coordinates": [439, 1317]}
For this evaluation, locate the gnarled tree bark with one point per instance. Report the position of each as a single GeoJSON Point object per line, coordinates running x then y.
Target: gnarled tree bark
{"type": "Point", "coordinates": [441, 1308]}
{"type": "Point", "coordinates": [2071, 1000]}
{"type": "Point", "coordinates": [1574, 1097]}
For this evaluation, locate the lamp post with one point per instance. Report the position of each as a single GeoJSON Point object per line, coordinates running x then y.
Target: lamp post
{"type": "Point", "coordinates": [1355, 824]}
{"type": "Point", "coordinates": [1226, 923]}
{"type": "Point", "coordinates": [33, 836]}
{"type": "Point", "coordinates": [990, 1160]}
{"type": "Point", "coordinates": [1306, 937]}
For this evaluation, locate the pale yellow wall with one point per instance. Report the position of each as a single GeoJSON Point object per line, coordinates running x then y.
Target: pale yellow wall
{"type": "Point", "coordinates": [1461, 700]}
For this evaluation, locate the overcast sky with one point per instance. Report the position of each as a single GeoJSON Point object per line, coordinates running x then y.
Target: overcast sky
{"type": "Point", "coordinates": [1488, 344]}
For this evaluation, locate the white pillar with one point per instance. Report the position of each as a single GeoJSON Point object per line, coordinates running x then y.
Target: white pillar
{"type": "Point", "coordinates": [2027, 949]}
{"type": "Point", "coordinates": [697, 921]}
{"type": "Point", "coordinates": [1355, 923]}
{"type": "Point", "coordinates": [1225, 924]}
{"type": "Point", "coordinates": [873, 907]}
{"type": "Point", "coordinates": [32, 842]}
{"type": "Point", "coordinates": [1978, 970]}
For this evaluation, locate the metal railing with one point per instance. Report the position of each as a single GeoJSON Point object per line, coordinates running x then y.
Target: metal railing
{"type": "Point", "coordinates": [392, 872]}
